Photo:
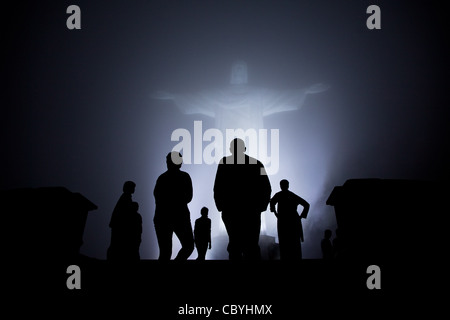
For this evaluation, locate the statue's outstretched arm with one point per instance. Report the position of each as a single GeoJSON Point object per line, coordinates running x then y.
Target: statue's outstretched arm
{"type": "Point", "coordinates": [288, 100]}
{"type": "Point", "coordinates": [187, 103]}
{"type": "Point", "coordinates": [163, 95]}
{"type": "Point", "coordinates": [317, 88]}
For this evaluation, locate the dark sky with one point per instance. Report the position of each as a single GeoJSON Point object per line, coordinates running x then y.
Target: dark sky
{"type": "Point", "coordinates": [77, 109]}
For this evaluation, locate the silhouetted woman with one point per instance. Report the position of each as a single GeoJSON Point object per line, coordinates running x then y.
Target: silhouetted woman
{"type": "Point", "coordinates": [117, 249]}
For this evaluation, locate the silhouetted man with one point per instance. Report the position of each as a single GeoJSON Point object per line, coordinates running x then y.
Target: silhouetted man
{"type": "Point", "coordinates": [202, 234]}
{"type": "Point", "coordinates": [173, 192]}
{"type": "Point", "coordinates": [241, 192]}
{"type": "Point", "coordinates": [326, 246]}
{"type": "Point", "coordinates": [289, 225]}
{"type": "Point", "coordinates": [117, 250]}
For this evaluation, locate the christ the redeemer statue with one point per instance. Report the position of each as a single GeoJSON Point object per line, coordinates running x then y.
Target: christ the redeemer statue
{"type": "Point", "coordinates": [240, 106]}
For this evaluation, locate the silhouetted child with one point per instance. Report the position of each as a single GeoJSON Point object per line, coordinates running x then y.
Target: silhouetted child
{"type": "Point", "coordinates": [202, 234]}
{"type": "Point", "coordinates": [289, 225]}
{"type": "Point", "coordinates": [116, 250]}
{"type": "Point", "coordinates": [326, 246]}
{"type": "Point", "coordinates": [135, 231]}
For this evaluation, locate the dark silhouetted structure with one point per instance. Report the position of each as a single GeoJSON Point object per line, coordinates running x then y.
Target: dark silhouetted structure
{"type": "Point", "coordinates": [241, 192]}
{"type": "Point", "coordinates": [121, 226]}
{"type": "Point", "coordinates": [375, 216]}
{"type": "Point", "coordinates": [44, 224]}
{"type": "Point", "coordinates": [173, 191]}
{"type": "Point", "coordinates": [202, 234]}
{"type": "Point", "coordinates": [326, 246]}
{"type": "Point", "coordinates": [338, 246]}
{"type": "Point", "coordinates": [290, 231]}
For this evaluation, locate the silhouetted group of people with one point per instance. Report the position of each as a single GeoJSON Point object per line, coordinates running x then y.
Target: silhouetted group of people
{"type": "Point", "coordinates": [242, 191]}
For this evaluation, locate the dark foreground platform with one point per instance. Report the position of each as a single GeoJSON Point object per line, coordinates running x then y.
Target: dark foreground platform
{"type": "Point", "coordinates": [266, 289]}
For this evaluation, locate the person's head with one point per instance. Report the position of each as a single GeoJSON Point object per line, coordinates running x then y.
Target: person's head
{"type": "Point", "coordinates": [129, 187]}
{"type": "Point", "coordinates": [284, 184]}
{"type": "Point", "coordinates": [327, 234]}
{"type": "Point", "coordinates": [204, 212]}
{"type": "Point", "coordinates": [239, 74]}
{"type": "Point", "coordinates": [174, 160]}
{"type": "Point", "coordinates": [237, 146]}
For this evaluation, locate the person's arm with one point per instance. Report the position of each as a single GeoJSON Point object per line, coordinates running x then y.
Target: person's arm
{"type": "Point", "coordinates": [265, 188]}
{"type": "Point", "coordinates": [305, 206]}
{"type": "Point", "coordinates": [189, 192]}
{"type": "Point", "coordinates": [195, 230]}
{"type": "Point", "coordinates": [273, 203]}
{"type": "Point", "coordinates": [209, 233]}
{"type": "Point", "coordinates": [219, 187]}
{"type": "Point", "coordinates": [156, 192]}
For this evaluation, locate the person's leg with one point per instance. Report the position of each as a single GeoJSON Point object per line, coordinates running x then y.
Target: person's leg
{"type": "Point", "coordinates": [234, 247]}
{"type": "Point", "coordinates": [250, 233]}
{"type": "Point", "coordinates": [164, 236]}
{"type": "Point", "coordinates": [201, 249]}
{"type": "Point", "coordinates": [183, 230]}
{"type": "Point", "coordinates": [297, 240]}
{"type": "Point", "coordinates": [290, 239]}
{"type": "Point", "coordinates": [283, 239]}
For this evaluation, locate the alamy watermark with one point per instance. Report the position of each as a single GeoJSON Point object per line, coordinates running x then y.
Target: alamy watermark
{"type": "Point", "coordinates": [73, 22]}
{"type": "Point", "coordinates": [211, 145]}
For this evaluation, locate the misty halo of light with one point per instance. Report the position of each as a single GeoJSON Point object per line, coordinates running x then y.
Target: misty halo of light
{"type": "Point", "coordinates": [306, 173]}
{"type": "Point", "coordinates": [77, 111]}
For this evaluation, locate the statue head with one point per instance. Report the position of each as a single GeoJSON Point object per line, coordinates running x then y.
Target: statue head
{"type": "Point", "coordinates": [239, 73]}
